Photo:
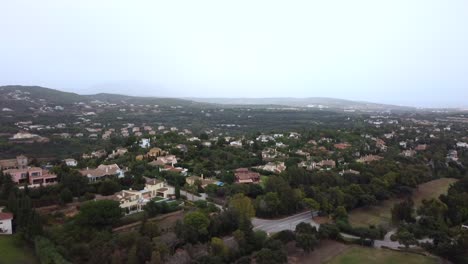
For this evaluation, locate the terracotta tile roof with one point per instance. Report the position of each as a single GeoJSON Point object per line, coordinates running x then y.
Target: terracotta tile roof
{"type": "Point", "coordinates": [6, 216]}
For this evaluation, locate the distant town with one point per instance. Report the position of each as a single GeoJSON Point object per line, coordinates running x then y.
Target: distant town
{"type": "Point", "coordinates": [118, 179]}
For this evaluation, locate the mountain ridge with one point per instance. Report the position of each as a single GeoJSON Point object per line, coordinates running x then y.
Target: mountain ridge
{"type": "Point", "coordinates": [58, 97]}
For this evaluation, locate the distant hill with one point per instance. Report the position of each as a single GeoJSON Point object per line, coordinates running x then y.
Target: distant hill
{"type": "Point", "coordinates": [23, 97]}
{"type": "Point", "coordinates": [312, 102]}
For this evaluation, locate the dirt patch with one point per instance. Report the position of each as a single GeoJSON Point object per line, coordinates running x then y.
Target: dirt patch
{"type": "Point", "coordinates": [165, 222]}
{"type": "Point", "coordinates": [322, 220]}
{"type": "Point", "coordinates": [326, 250]}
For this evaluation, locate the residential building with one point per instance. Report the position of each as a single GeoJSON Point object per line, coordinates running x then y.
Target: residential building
{"type": "Point", "coordinates": [369, 159]}
{"type": "Point", "coordinates": [182, 147]}
{"type": "Point", "coordinates": [164, 160]}
{"type": "Point", "coordinates": [133, 201]}
{"type": "Point", "coordinates": [154, 152]}
{"type": "Point", "coordinates": [353, 172]}
{"type": "Point", "coordinates": [236, 144]}
{"type": "Point", "coordinates": [452, 155]}
{"type": "Point", "coordinates": [71, 162]}
{"type": "Point", "coordinates": [308, 165]}
{"type": "Point", "coordinates": [103, 171]}
{"type": "Point", "coordinates": [32, 176]}
{"type": "Point", "coordinates": [327, 163]}
{"type": "Point", "coordinates": [269, 154]}
{"type": "Point", "coordinates": [244, 175]}
{"type": "Point", "coordinates": [145, 143]}
{"type": "Point", "coordinates": [421, 147]}
{"type": "Point", "coordinates": [274, 167]}
{"type": "Point", "coordinates": [408, 153]}
{"type": "Point", "coordinates": [6, 227]}
{"type": "Point", "coordinates": [342, 146]}
{"type": "Point", "coordinates": [20, 162]}
{"type": "Point", "coordinates": [380, 144]}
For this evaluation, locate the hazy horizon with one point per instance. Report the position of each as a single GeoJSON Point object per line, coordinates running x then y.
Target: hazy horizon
{"type": "Point", "coordinates": [405, 53]}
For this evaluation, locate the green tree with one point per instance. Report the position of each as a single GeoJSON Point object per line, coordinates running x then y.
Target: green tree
{"type": "Point", "coordinates": [75, 182]}
{"type": "Point", "coordinates": [218, 248]}
{"type": "Point", "coordinates": [132, 257]}
{"type": "Point", "coordinates": [66, 196]}
{"type": "Point", "coordinates": [406, 238]}
{"type": "Point", "coordinates": [306, 241]}
{"type": "Point", "coordinates": [311, 204]}
{"type": "Point", "coordinates": [268, 205]}
{"type": "Point", "coordinates": [7, 186]}
{"type": "Point", "coordinates": [403, 212]}
{"type": "Point", "coordinates": [243, 205]}
{"type": "Point", "coordinates": [340, 213]}
{"type": "Point", "coordinates": [195, 227]}
{"type": "Point", "coordinates": [177, 191]}
{"type": "Point", "coordinates": [109, 187]}
{"type": "Point", "coordinates": [269, 256]}
{"type": "Point", "coordinates": [99, 214]}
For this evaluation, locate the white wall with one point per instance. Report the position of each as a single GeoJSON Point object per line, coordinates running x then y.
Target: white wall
{"type": "Point", "coordinates": [5, 225]}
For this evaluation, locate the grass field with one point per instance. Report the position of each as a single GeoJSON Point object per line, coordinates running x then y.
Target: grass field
{"type": "Point", "coordinates": [381, 215]}
{"type": "Point", "coordinates": [361, 255]}
{"type": "Point", "coordinates": [11, 253]}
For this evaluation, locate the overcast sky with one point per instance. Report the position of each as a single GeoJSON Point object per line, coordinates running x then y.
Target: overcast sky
{"type": "Point", "coordinates": [412, 52]}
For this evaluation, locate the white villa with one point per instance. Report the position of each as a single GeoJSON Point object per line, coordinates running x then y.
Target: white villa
{"type": "Point", "coordinates": [133, 201]}
{"type": "Point", "coordinates": [71, 162]}
{"type": "Point", "coordinates": [145, 143]}
{"type": "Point", "coordinates": [5, 223]}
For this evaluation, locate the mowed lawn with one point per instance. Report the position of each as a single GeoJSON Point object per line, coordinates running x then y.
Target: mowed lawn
{"type": "Point", "coordinates": [11, 253]}
{"type": "Point", "coordinates": [362, 255]}
{"type": "Point", "coordinates": [381, 214]}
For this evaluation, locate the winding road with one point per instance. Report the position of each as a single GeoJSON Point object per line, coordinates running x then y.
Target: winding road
{"type": "Point", "coordinates": [290, 223]}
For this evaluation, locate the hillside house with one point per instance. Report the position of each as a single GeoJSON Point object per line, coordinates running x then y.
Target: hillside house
{"type": "Point", "coordinates": [154, 152]}
{"type": "Point", "coordinates": [327, 164]}
{"type": "Point", "coordinates": [32, 176]}
{"type": "Point", "coordinates": [102, 172]}
{"type": "Point", "coordinates": [20, 162]}
{"type": "Point", "coordinates": [369, 158]}
{"type": "Point", "coordinates": [408, 153]}
{"type": "Point", "coordinates": [342, 146]}
{"type": "Point", "coordinates": [273, 167]}
{"type": "Point", "coordinates": [71, 162]}
{"type": "Point", "coordinates": [236, 144]}
{"type": "Point", "coordinates": [421, 147]}
{"type": "Point", "coordinates": [133, 201]}
{"type": "Point", "coordinates": [6, 227]}
{"type": "Point", "coordinates": [192, 180]}
{"type": "Point", "coordinates": [164, 160]}
{"type": "Point", "coordinates": [244, 175]}
{"type": "Point", "coordinates": [351, 172]}
{"type": "Point", "coordinates": [145, 143]}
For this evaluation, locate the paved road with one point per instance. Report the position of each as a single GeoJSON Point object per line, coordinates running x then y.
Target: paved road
{"type": "Point", "coordinates": [288, 223]}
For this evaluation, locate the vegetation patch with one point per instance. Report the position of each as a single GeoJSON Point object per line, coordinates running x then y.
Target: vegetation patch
{"type": "Point", "coordinates": [13, 253]}
{"type": "Point", "coordinates": [381, 214]}
{"type": "Point", "coordinates": [363, 255]}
